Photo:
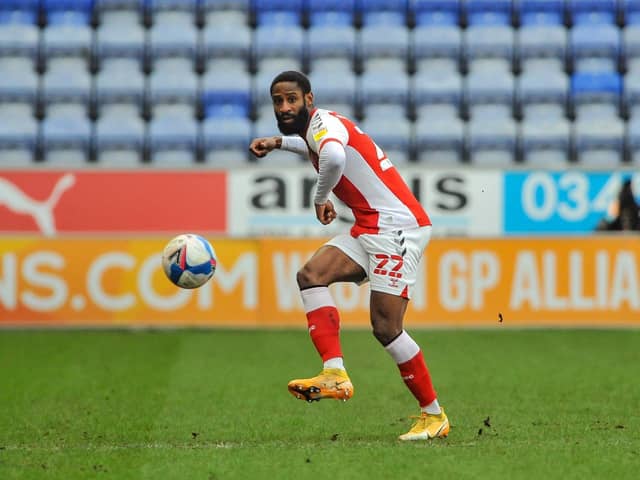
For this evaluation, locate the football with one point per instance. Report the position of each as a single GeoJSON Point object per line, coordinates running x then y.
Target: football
{"type": "Point", "coordinates": [189, 260]}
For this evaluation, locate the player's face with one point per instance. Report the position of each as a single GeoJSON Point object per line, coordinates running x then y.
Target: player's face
{"type": "Point", "coordinates": [291, 107]}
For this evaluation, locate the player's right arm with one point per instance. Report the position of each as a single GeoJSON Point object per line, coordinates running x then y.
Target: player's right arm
{"type": "Point", "coordinates": [261, 146]}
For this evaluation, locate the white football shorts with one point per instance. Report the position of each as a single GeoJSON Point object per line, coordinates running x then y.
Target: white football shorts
{"type": "Point", "coordinates": [390, 259]}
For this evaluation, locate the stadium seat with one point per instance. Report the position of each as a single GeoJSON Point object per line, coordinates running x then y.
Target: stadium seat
{"type": "Point", "coordinates": [173, 34]}
{"type": "Point", "coordinates": [278, 12]}
{"type": "Point", "coordinates": [541, 12]}
{"type": "Point", "coordinates": [488, 41]}
{"type": "Point", "coordinates": [382, 86]}
{"type": "Point", "coordinates": [630, 10]}
{"type": "Point", "coordinates": [539, 88]}
{"type": "Point", "coordinates": [220, 133]}
{"type": "Point", "coordinates": [599, 141]}
{"type": "Point", "coordinates": [596, 88]}
{"type": "Point", "coordinates": [226, 41]}
{"type": "Point", "coordinates": [225, 5]}
{"type": "Point", "coordinates": [484, 87]}
{"type": "Point", "coordinates": [331, 12]}
{"type": "Point", "coordinates": [19, 33]}
{"type": "Point", "coordinates": [19, 81]}
{"type": "Point", "coordinates": [588, 41]}
{"type": "Point", "coordinates": [172, 81]}
{"type": "Point", "coordinates": [120, 80]}
{"type": "Point", "coordinates": [488, 12]}
{"type": "Point", "coordinates": [384, 41]}
{"type": "Point", "coordinates": [344, 109]}
{"type": "Point", "coordinates": [541, 40]}
{"type": "Point", "coordinates": [187, 6]}
{"type": "Point", "coordinates": [437, 86]}
{"type": "Point", "coordinates": [119, 136]}
{"type": "Point", "coordinates": [18, 134]}
{"type": "Point", "coordinates": [226, 94]}
{"type": "Point", "coordinates": [439, 135]}
{"type": "Point", "coordinates": [436, 41]}
{"type": "Point", "coordinates": [592, 11]}
{"type": "Point", "coordinates": [492, 140]}
{"type": "Point", "coordinates": [68, 33]}
{"type": "Point", "coordinates": [330, 88]}
{"type": "Point", "coordinates": [383, 12]}
{"type": "Point", "coordinates": [124, 36]}
{"type": "Point", "coordinates": [436, 12]}
{"type": "Point", "coordinates": [632, 91]}
{"type": "Point", "coordinates": [331, 41]}
{"type": "Point", "coordinates": [545, 142]}
{"type": "Point", "coordinates": [172, 137]}
{"type": "Point", "coordinates": [278, 41]}
{"type": "Point", "coordinates": [633, 139]}
{"type": "Point", "coordinates": [337, 66]}
{"type": "Point", "coordinates": [66, 80]}
{"type": "Point", "coordinates": [105, 5]}
{"type": "Point", "coordinates": [66, 135]}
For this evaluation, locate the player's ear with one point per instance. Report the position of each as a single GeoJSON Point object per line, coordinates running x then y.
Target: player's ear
{"type": "Point", "coordinates": [308, 98]}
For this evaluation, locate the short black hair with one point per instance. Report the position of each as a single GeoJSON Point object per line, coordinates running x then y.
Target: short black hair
{"type": "Point", "coordinates": [293, 76]}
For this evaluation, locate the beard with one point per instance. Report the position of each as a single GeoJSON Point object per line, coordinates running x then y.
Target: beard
{"type": "Point", "coordinates": [298, 125]}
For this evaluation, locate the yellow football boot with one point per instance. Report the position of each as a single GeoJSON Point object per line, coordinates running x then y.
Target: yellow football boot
{"type": "Point", "coordinates": [427, 427]}
{"type": "Point", "coordinates": [330, 383]}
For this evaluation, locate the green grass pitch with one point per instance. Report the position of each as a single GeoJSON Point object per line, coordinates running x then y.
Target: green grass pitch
{"type": "Point", "coordinates": [213, 404]}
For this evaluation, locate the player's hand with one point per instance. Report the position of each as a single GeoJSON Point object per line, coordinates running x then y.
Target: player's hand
{"type": "Point", "coordinates": [261, 146]}
{"type": "Point", "coordinates": [326, 212]}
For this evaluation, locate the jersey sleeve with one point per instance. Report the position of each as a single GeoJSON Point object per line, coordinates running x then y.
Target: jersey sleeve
{"type": "Point", "coordinates": [324, 128]}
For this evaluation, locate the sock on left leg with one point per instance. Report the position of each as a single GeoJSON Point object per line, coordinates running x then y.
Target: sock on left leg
{"type": "Point", "coordinates": [413, 369]}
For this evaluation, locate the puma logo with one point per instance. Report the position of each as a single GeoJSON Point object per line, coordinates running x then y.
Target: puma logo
{"type": "Point", "coordinates": [41, 211]}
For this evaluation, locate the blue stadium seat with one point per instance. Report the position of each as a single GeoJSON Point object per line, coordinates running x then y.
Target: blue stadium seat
{"type": "Point", "coordinates": [631, 43]}
{"type": "Point", "coordinates": [19, 81]}
{"type": "Point", "coordinates": [331, 12]}
{"type": "Point", "coordinates": [632, 90]}
{"type": "Point", "coordinates": [330, 88]}
{"type": "Point", "coordinates": [380, 86]}
{"type": "Point", "coordinates": [331, 41]}
{"type": "Point", "coordinates": [211, 5]}
{"type": "Point", "coordinates": [68, 33]}
{"type": "Point", "coordinates": [439, 137]}
{"type": "Point", "coordinates": [226, 41]}
{"type": "Point", "coordinates": [66, 135]}
{"type": "Point", "coordinates": [173, 34]}
{"type": "Point", "coordinates": [120, 80]}
{"type": "Point", "coordinates": [155, 6]}
{"type": "Point", "coordinates": [437, 86]}
{"type": "Point", "coordinates": [31, 6]}
{"type": "Point", "coordinates": [633, 139]}
{"type": "Point", "coordinates": [488, 12]}
{"type": "Point", "coordinates": [104, 5]}
{"type": "Point", "coordinates": [339, 66]}
{"type": "Point", "coordinates": [391, 133]}
{"type": "Point", "coordinates": [278, 41]}
{"type": "Point", "coordinates": [120, 35]}
{"type": "Point", "coordinates": [489, 41]}
{"type": "Point", "coordinates": [599, 141]}
{"type": "Point", "coordinates": [226, 94]}
{"type": "Point", "coordinates": [172, 136]}
{"type": "Point", "coordinates": [172, 81]}
{"type": "Point", "coordinates": [439, 40]}
{"type": "Point", "coordinates": [119, 136]}
{"type": "Point", "coordinates": [492, 141]}
{"type": "Point", "coordinates": [545, 142]}
{"type": "Point", "coordinates": [485, 87]}
{"type": "Point", "coordinates": [589, 41]}
{"type": "Point", "coordinates": [537, 88]}
{"type": "Point", "coordinates": [596, 88]}
{"type": "Point", "coordinates": [592, 11]}
{"type": "Point", "coordinates": [436, 12]}
{"type": "Point", "coordinates": [541, 12]}
{"type": "Point", "coordinates": [383, 12]}
{"type": "Point", "coordinates": [19, 33]}
{"type": "Point", "coordinates": [18, 133]}
{"type": "Point", "coordinates": [541, 40]}
{"type": "Point", "coordinates": [66, 80]}
{"type": "Point", "coordinates": [60, 7]}
{"type": "Point", "coordinates": [220, 133]}
{"type": "Point", "coordinates": [384, 41]}
{"type": "Point", "coordinates": [278, 12]}
{"type": "Point", "coordinates": [630, 11]}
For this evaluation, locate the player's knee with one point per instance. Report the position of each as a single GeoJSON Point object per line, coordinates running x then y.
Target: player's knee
{"type": "Point", "coordinates": [306, 277]}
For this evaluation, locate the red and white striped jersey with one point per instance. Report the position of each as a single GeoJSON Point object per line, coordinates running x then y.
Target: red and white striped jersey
{"type": "Point", "coordinates": [370, 185]}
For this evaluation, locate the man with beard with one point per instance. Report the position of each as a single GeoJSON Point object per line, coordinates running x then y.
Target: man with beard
{"type": "Point", "coordinates": [384, 246]}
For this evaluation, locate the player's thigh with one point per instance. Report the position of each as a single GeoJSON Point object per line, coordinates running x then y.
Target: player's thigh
{"type": "Point", "coordinates": [394, 258]}
{"type": "Point", "coordinates": [328, 265]}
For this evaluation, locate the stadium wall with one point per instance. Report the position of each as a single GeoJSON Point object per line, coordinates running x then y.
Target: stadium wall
{"type": "Point", "coordinates": [81, 248]}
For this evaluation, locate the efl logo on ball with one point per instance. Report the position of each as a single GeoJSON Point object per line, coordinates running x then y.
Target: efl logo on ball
{"type": "Point", "coordinates": [189, 260]}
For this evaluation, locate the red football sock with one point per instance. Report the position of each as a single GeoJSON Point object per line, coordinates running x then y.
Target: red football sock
{"type": "Point", "coordinates": [408, 356]}
{"type": "Point", "coordinates": [323, 320]}
{"type": "Point", "coordinates": [417, 378]}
